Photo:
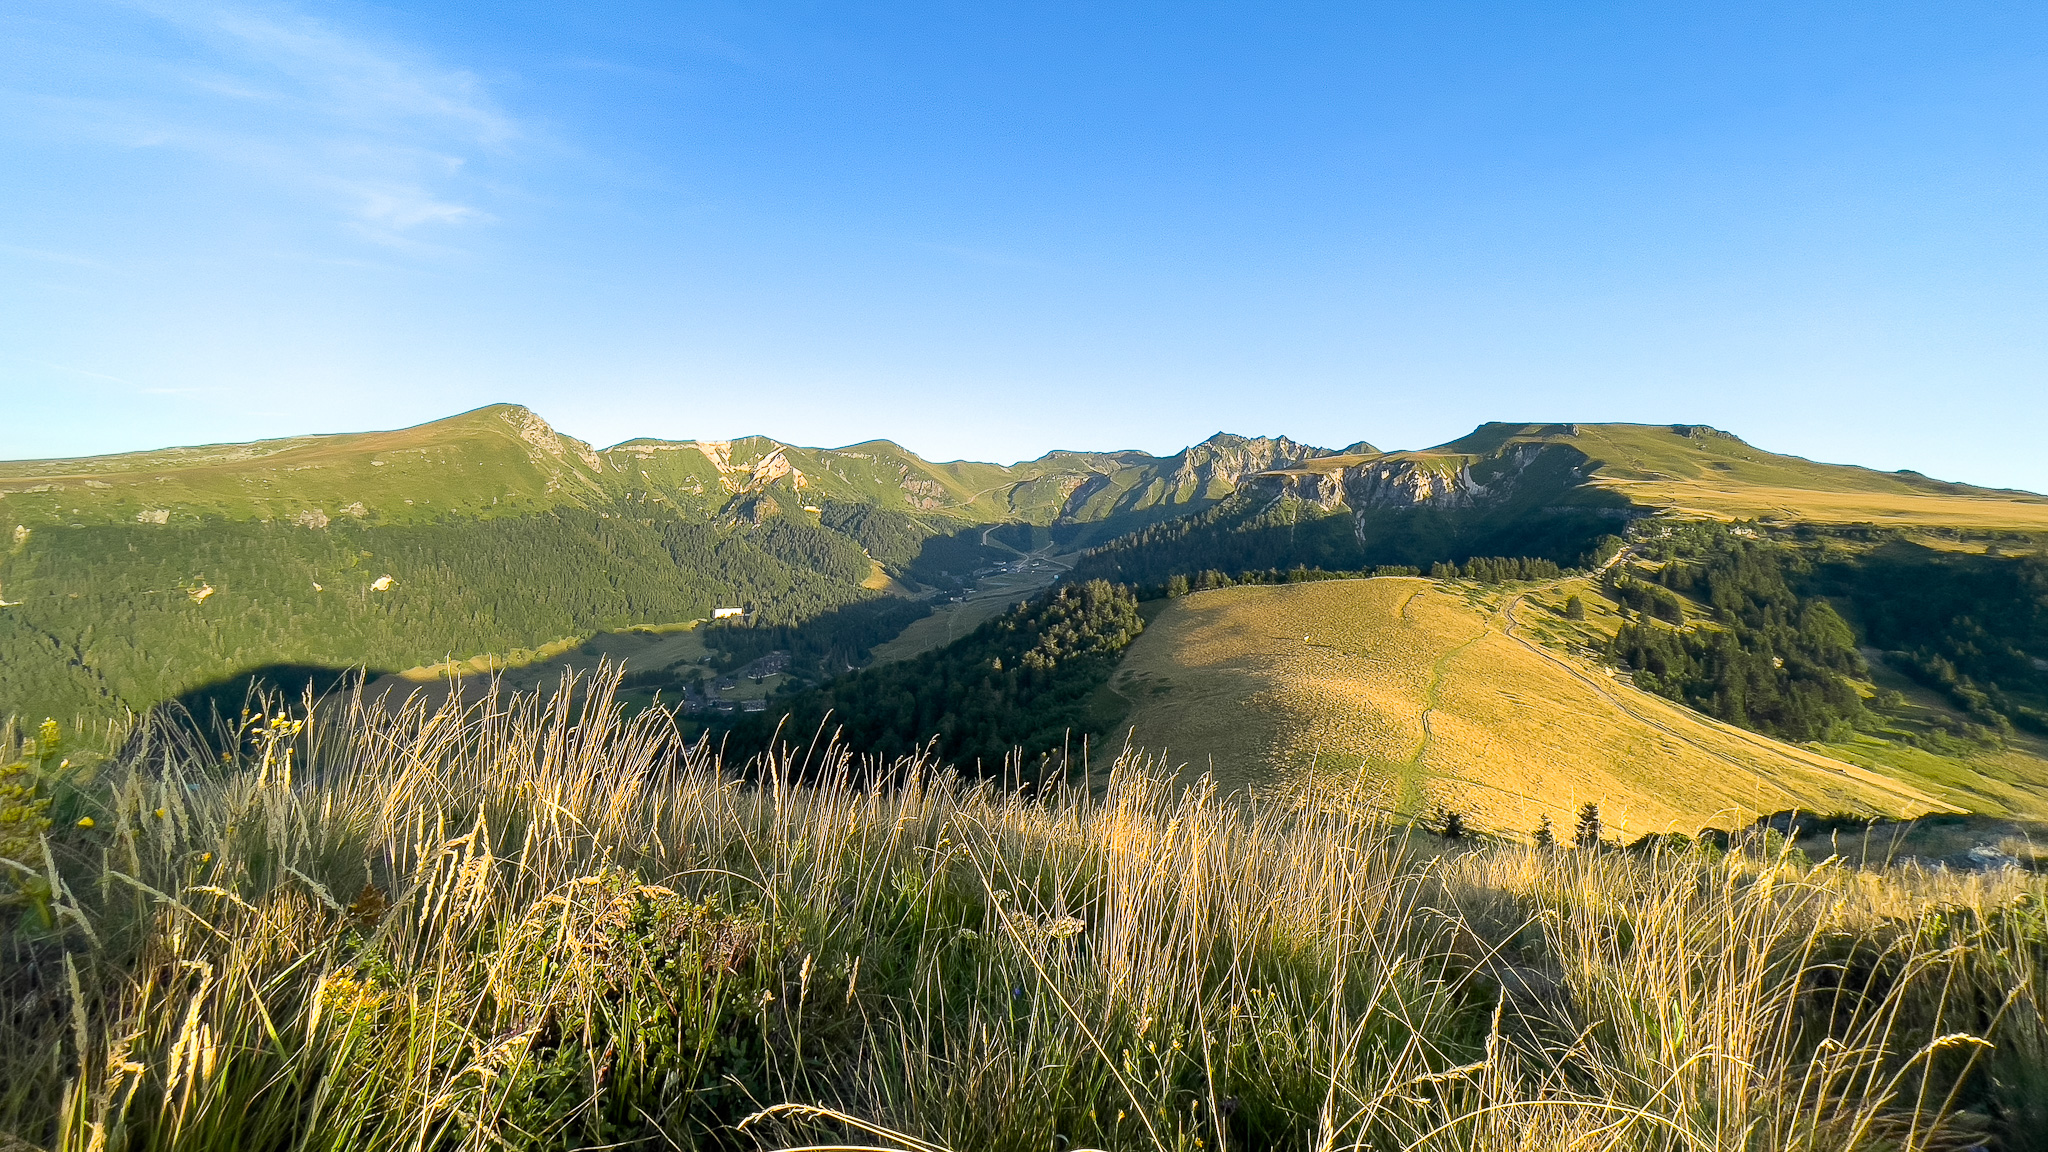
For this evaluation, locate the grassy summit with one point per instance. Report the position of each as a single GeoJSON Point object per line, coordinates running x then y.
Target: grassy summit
{"type": "Point", "coordinates": [1694, 469]}
{"type": "Point", "coordinates": [493, 461]}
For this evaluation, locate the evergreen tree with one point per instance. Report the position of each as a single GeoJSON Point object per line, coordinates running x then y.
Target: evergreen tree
{"type": "Point", "coordinates": [1776, 661]}
{"type": "Point", "coordinates": [1587, 834]}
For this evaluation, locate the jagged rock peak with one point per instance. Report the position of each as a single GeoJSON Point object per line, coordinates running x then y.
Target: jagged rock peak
{"type": "Point", "coordinates": [1277, 449]}
{"type": "Point", "coordinates": [1228, 440]}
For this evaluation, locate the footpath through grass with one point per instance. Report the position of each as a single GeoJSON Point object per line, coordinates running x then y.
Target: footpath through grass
{"type": "Point", "coordinates": [532, 923]}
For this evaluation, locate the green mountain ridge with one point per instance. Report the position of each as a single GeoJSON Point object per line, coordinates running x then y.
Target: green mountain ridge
{"type": "Point", "coordinates": [129, 579]}
{"type": "Point", "coordinates": [1540, 490]}
{"type": "Point", "coordinates": [505, 459]}
{"type": "Point", "coordinates": [1651, 464]}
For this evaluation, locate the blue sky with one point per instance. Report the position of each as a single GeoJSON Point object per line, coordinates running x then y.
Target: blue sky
{"type": "Point", "coordinates": [987, 233]}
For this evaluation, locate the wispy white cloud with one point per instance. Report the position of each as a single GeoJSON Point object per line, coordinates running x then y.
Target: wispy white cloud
{"type": "Point", "coordinates": [380, 135]}
{"type": "Point", "coordinates": [354, 81]}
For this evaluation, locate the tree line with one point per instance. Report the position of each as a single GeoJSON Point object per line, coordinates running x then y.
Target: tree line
{"type": "Point", "coordinates": [101, 618]}
{"type": "Point", "coordinates": [1021, 687]}
{"type": "Point", "coordinates": [1769, 659]}
{"type": "Point", "coordinates": [1973, 626]}
{"type": "Point", "coordinates": [1246, 533]}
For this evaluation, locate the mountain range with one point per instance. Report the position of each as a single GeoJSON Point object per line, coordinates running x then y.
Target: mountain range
{"type": "Point", "coordinates": [505, 460]}
{"type": "Point", "coordinates": [131, 579]}
{"type": "Point", "coordinates": [522, 464]}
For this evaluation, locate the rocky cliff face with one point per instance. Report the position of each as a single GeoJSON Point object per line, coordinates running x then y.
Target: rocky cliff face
{"type": "Point", "coordinates": [1407, 480]}
{"type": "Point", "coordinates": [1324, 489]}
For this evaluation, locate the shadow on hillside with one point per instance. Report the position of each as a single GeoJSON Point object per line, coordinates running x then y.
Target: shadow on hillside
{"type": "Point", "coordinates": [218, 713]}
{"type": "Point", "coordinates": [1945, 841]}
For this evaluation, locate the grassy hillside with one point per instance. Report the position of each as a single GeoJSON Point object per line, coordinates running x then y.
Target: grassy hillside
{"type": "Point", "coordinates": [1695, 470]}
{"type": "Point", "coordinates": [493, 461]}
{"type": "Point", "coordinates": [532, 925]}
{"type": "Point", "coordinates": [126, 580]}
{"type": "Point", "coordinates": [1417, 693]}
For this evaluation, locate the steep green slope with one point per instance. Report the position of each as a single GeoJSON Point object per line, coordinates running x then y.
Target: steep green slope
{"type": "Point", "coordinates": [129, 579]}
{"type": "Point", "coordinates": [493, 461]}
{"type": "Point", "coordinates": [108, 616]}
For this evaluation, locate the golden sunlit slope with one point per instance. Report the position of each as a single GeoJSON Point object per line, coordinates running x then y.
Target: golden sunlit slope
{"type": "Point", "coordinates": [1418, 693]}
{"type": "Point", "coordinates": [1689, 468]}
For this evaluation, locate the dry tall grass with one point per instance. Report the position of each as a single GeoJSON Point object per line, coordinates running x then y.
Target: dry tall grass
{"type": "Point", "coordinates": [1427, 693]}
{"type": "Point", "coordinates": [536, 923]}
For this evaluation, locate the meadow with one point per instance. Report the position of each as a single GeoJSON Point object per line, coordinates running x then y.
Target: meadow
{"type": "Point", "coordinates": [538, 922]}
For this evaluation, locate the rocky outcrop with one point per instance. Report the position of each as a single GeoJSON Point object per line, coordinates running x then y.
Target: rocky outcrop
{"type": "Point", "coordinates": [740, 478]}
{"type": "Point", "coordinates": [545, 442]}
{"type": "Point", "coordinates": [1079, 491]}
{"type": "Point", "coordinates": [752, 508]}
{"type": "Point", "coordinates": [1410, 482]}
{"type": "Point", "coordinates": [1405, 480]}
{"type": "Point", "coordinates": [1134, 481]}
{"type": "Point", "coordinates": [923, 495]}
{"type": "Point", "coordinates": [1324, 489]}
{"type": "Point", "coordinates": [772, 467]}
